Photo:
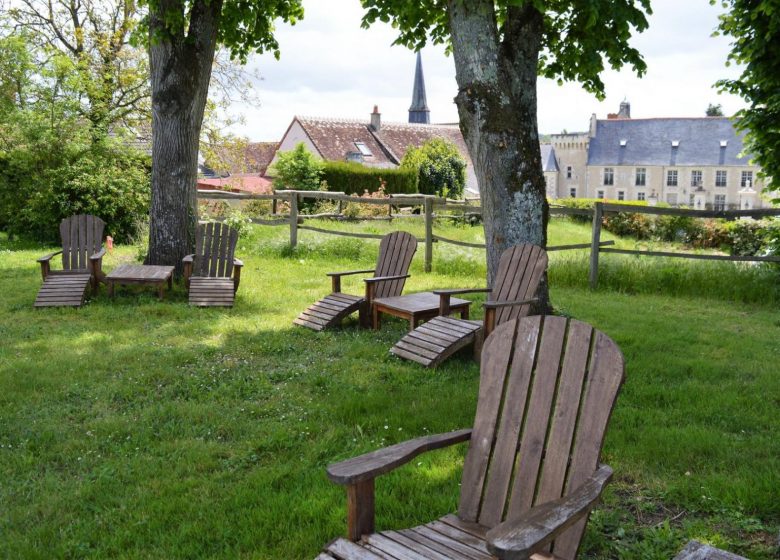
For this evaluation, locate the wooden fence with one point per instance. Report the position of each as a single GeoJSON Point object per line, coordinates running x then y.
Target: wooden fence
{"type": "Point", "coordinates": [601, 208]}
{"type": "Point", "coordinates": [429, 205]}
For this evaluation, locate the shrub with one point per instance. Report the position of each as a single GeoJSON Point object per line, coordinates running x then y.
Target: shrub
{"type": "Point", "coordinates": [354, 178]}
{"type": "Point", "coordinates": [440, 167]}
{"type": "Point", "coordinates": [747, 237]}
{"type": "Point", "coordinates": [297, 169]}
{"type": "Point", "coordinates": [361, 210]}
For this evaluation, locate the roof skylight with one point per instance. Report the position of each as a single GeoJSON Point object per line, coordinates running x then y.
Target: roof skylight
{"type": "Point", "coordinates": [363, 149]}
{"type": "Point", "coordinates": [623, 143]}
{"type": "Point", "coordinates": [675, 143]}
{"type": "Point", "coordinates": [724, 143]}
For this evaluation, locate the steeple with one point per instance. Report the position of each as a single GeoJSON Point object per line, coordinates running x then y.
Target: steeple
{"type": "Point", "coordinates": [419, 112]}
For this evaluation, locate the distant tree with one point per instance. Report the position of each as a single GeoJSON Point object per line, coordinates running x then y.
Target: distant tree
{"type": "Point", "coordinates": [714, 110]}
{"type": "Point", "coordinates": [183, 36]}
{"type": "Point", "coordinates": [440, 167]}
{"type": "Point", "coordinates": [500, 47]}
{"type": "Point", "coordinates": [297, 169]}
{"type": "Point", "coordinates": [755, 27]}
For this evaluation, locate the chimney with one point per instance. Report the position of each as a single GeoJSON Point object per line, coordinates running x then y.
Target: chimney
{"type": "Point", "coordinates": [625, 110]}
{"type": "Point", "coordinates": [376, 119]}
{"type": "Point", "coordinates": [593, 123]}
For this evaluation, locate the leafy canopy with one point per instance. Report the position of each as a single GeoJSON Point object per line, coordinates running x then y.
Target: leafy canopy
{"type": "Point", "coordinates": [755, 27]}
{"type": "Point", "coordinates": [578, 36]}
{"type": "Point", "coordinates": [297, 169]}
{"type": "Point", "coordinates": [440, 167]}
{"type": "Point", "coordinates": [244, 27]}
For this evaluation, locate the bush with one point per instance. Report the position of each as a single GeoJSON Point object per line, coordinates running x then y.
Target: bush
{"type": "Point", "coordinates": [297, 169]}
{"type": "Point", "coordinates": [440, 167]}
{"type": "Point", "coordinates": [361, 210]}
{"type": "Point", "coordinates": [354, 178]}
{"type": "Point", "coordinates": [41, 184]}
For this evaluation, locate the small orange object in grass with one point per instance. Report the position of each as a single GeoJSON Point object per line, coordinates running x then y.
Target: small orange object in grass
{"type": "Point", "coordinates": [110, 243]}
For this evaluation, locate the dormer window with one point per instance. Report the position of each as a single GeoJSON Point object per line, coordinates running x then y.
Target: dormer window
{"type": "Point", "coordinates": [675, 143]}
{"type": "Point", "coordinates": [724, 143]}
{"type": "Point", "coordinates": [623, 143]}
{"type": "Point", "coordinates": [363, 149]}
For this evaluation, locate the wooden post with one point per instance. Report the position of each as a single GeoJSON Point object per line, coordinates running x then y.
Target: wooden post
{"type": "Point", "coordinates": [360, 509]}
{"type": "Point", "coordinates": [598, 212]}
{"type": "Point", "coordinates": [428, 233]}
{"type": "Point", "coordinates": [293, 220]}
{"type": "Point", "coordinates": [273, 205]}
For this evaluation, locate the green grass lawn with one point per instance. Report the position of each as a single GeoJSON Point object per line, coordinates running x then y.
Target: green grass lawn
{"type": "Point", "coordinates": [135, 428]}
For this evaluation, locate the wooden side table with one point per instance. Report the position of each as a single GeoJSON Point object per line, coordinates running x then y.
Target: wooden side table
{"type": "Point", "coordinates": [415, 308]}
{"type": "Point", "coordinates": [153, 275]}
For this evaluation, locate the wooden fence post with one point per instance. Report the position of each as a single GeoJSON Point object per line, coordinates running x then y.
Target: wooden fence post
{"type": "Point", "coordinates": [273, 205]}
{"type": "Point", "coordinates": [293, 220]}
{"type": "Point", "coordinates": [428, 233]}
{"type": "Point", "coordinates": [598, 212]}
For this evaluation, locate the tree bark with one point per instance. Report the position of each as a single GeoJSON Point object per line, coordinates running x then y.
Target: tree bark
{"type": "Point", "coordinates": [496, 72]}
{"type": "Point", "coordinates": [180, 67]}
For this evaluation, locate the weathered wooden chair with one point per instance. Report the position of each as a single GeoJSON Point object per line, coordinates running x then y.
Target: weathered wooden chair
{"type": "Point", "coordinates": [395, 255]}
{"type": "Point", "coordinates": [531, 474]}
{"type": "Point", "coordinates": [520, 270]}
{"type": "Point", "coordinates": [212, 274]}
{"type": "Point", "coordinates": [82, 262]}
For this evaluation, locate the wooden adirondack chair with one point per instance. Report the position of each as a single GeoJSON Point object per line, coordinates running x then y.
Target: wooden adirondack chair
{"type": "Point", "coordinates": [520, 270]}
{"type": "Point", "coordinates": [395, 255]}
{"type": "Point", "coordinates": [532, 473]}
{"type": "Point", "coordinates": [212, 274]}
{"type": "Point", "coordinates": [82, 261]}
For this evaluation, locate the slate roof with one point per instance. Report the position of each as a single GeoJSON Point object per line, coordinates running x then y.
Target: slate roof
{"type": "Point", "coordinates": [649, 142]}
{"type": "Point", "coordinates": [549, 163]}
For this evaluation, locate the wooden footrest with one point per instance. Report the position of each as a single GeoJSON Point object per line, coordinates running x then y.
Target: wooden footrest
{"type": "Point", "coordinates": [329, 311]}
{"type": "Point", "coordinates": [435, 341]}
{"type": "Point", "coordinates": [212, 292]}
{"type": "Point", "coordinates": [63, 290]}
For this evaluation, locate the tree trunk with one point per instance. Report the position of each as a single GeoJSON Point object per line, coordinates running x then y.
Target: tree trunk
{"type": "Point", "coordinates": [497, 107]}
{"type": "Point", "coordinates": [180, 72]}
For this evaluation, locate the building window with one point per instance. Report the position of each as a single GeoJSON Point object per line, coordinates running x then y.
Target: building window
{"type": "Point", "coordinates": [363, 149]}
{"type": "Point", "coordinates": [573, 192]}
{"type": "Point", "coordinates": [696, 178]}
{"type": "Point", "coordinates": [747, 179]}
{"type": "Point", "coordinates": [641, 176]}
{"type": "Point", "coordinates": [720, 178]}
{"type": "Point", "coordinates": [720, 202]}
{"type": "Point", "coordinates": [600, 194]}
{"type": "Point", "coordinates": [640, 196]}
{"type": "Point", "coordinates": [621, 195]}
{"type": "Point", "coordinates": [671, 198]}
{"type": "Point", "coordinates": [691, 200]}
{"type": "Point", "coordinates": [609, 176]}
{"type": "Point", "coordinates": [568, 171]}
{"type": "Point", "coordinates": [671, 178]}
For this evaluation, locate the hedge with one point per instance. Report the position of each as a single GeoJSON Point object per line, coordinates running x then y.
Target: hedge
{"type": "Point", "coordinates": [354, 178]}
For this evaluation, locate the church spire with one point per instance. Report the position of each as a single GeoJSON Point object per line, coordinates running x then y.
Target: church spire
{"type": "Point", "coordinates": [419, 112]}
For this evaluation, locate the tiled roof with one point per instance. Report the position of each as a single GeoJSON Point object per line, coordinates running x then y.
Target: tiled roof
{"type": "Point", "coordinates": [549, 162]}
{"type": "Point", "coordinates": [650, 142]}
{"type": "Point", "coordinates": [238, 183]}
{"type": "Point", "coordinates": [259, 156]}
{"type": "Point", "coordinates": [335, 138]}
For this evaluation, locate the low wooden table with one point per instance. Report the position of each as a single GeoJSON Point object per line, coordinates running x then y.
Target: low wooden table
{"type": "Point", "coordinates": [415, 308]}
{"type": "Point", "coordinates": [141, 274]}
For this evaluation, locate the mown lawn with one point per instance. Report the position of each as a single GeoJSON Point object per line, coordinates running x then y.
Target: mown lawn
{"type": "Point", "coordinates": [134, 428]}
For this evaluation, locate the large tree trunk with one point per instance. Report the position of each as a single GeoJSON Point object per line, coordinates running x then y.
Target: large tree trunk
{"type": "Point", "coordinates": [497, 106]}
{"type": "Point", "coordinates": [180, 72]}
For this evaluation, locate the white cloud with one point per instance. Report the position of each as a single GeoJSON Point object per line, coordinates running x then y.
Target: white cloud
{"type": "Point", "coordinates": [331, 67]}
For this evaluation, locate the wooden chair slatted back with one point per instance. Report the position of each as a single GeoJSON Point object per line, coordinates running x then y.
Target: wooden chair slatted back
{"type": "Point", "coordinates": [82, 237]}
{"type": "Point", "coordinates": [520, 270]}
{"type": "Point", "coordinates": [215, 247]}
{"type": "Point", "coordinates": [395, 255]}
{"type": "Point", "coordinates": [546, 392]}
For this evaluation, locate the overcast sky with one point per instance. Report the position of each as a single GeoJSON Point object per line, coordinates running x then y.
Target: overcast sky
{"type": "Point", "coordinates": [330, 67]}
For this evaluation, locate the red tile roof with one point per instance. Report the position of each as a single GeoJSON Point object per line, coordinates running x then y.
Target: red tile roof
{"type": "Point", "coordinates": [246, 183]}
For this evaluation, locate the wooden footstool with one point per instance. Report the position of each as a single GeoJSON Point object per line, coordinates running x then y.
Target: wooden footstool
{"type": "Point", "coordinates": [143, 274]}
{"type": "Point", "coordinates": [63, 290]}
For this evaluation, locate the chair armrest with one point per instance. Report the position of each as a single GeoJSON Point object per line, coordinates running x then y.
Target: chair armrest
{"type": "Point", "coordinates": [497, 304]}
{"type": "Point", "coordinates": [460, 291]}
{"type": "Point", "coordinates": [47, 258]}
{"type": "Point", "coordinates": [375, 463]}
{"type": "Point", "coordinates": [520, 538]}
{"type": "Point", "coordinates": [188, 259]}
{"type": "Point", "coordinates": [238, 262]}
{"type": "Point", "coordinates": [385, 278]}
{"type": "Point", "coordinates": [349, 272]}
{"type": "Point", "coordinates": [99, 255]}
